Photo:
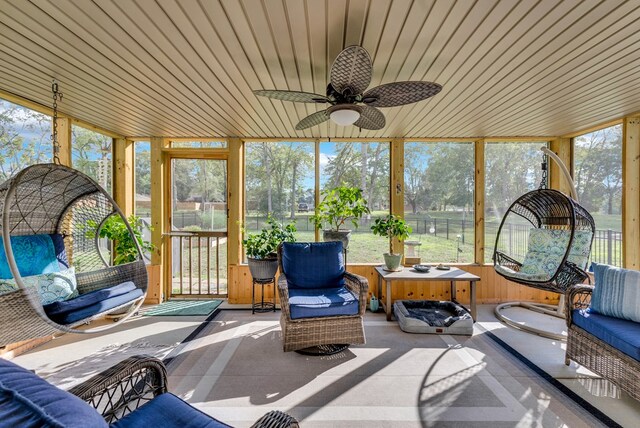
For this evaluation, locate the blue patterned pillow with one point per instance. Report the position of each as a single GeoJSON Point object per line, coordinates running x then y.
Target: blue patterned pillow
{"type": "Point", "coordinates": [52, 287]}
{"type": "Point", "coordinates": [616, 292]}
{"type": "Point", "coordinates": [34, 255]}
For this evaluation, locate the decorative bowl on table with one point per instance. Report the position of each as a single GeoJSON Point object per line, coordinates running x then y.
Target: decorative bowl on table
{"type": "Point", "coordinates": [422, 268]}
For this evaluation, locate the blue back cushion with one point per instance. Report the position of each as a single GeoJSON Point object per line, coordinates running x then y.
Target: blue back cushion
{"type": "Point", "coordinates": [616, 292]}
{"type": "Point", "coordinates": [313, 264]}
{"type": "Point", "coordinates": [34, 255]}
{"type": "Point", "coordinates": [58, 247]}
{"type": "Point", "coordinates": [28, 401]}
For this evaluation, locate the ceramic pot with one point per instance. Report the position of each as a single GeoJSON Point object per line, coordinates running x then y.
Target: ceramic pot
{"type": "Point", "coordinates": [263, 268]}
{"type": "Point", "coordinates": [340, 235]}
{"type": "Point", "coordinates": [374, 304]}
{"type": "Point", "coordinates": [392, 261]}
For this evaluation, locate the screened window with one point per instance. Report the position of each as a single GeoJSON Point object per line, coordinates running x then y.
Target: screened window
{"type": "Point", "coordinates": [280, 180]}
{"type": "Point", "coordinates": [438, 192]}
{"type": "Point", "coordinates": [198, 144]}
{"type": "Point", "coordinates": [142, 155]}
{"type": "Point", "coordinates": [91, 153]}
{"type": "Point", "coordinates": [511, 169]}
{"type": "Point", "coordinates": [366, 166]}
{"type": "Point", "coordinates": [25, 138]}
{"type": "Point", "coordinates": [598, 180]}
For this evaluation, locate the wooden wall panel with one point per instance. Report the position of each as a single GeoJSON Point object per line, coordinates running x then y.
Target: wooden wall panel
{"type": "Point", "coordinates": [491, 289]}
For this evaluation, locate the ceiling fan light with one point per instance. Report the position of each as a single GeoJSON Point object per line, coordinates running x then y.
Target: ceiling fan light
{"type": "Point", "coordinates": [344, 116]}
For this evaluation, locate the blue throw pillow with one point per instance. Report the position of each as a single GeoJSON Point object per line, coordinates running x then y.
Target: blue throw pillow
{"type": "Point", "coordinates": [52, 287]}
{"type": "Point", "coordinates": [616, 292]}
{"type": "Point", "coordinates": [34, 255]}
{"type": "Point", "coordinates": [313, 264]}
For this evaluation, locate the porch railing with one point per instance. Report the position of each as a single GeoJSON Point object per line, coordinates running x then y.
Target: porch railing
{"type": "Point", "coordinates": [199, 263]}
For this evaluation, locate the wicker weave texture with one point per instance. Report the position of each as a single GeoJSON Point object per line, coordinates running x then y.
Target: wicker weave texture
{"type": "Point", "coordinates": [307, 332]}
{"type": "Point", "coordinates": [54, 199]}
{"type": "Point", "coordinates": [596, 355]}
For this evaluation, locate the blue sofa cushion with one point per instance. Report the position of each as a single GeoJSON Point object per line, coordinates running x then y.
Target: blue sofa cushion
{"type": "Point", "coordinates": [624, 335]}
{"type": "Point", "coordinates": [28, 401]}
{"type": "Point", "coordinates": [34, 255]}
{"type": "Point", "coordinates": [73, 314]}
{"type": "Point", "coordinates": [322, 302]}
{"type": "Point", "coordinates": [88, 299]}
{"type": "Point", "coordinates": [313, 264]}
{"type": "Point", "coordinates": [168, 411]}
{"type": "Point", "coordinates": [616, 292]}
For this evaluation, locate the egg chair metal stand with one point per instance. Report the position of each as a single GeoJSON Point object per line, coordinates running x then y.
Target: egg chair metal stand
{"type": "Point", "coordinates": [559, 235]}
{"type": "Point", "coordinates": [55, 200]}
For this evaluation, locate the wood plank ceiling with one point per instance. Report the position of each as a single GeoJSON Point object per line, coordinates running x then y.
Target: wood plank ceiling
{"type": "Point", "coordinates": [187, 67]}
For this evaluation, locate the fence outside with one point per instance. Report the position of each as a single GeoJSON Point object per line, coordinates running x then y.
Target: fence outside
{"type": "Point", "coordinates": [606, 247]}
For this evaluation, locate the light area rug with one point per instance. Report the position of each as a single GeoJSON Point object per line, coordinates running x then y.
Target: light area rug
{"type": "Point", "coordinates": [235, 370]}
{"type": "Point", "coordinates": [183, 308]}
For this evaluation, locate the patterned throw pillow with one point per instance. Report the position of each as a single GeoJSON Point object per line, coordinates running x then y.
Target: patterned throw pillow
{"type": "Point", "coordinates": [52, 287]}
{"type": "Point", "coordinates": [616, 292]}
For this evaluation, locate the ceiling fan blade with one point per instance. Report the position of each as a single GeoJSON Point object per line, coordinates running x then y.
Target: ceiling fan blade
{"type": "Point", "coordinates": [312, 120]}
{"type": "Point", "coordinates": [351, 70]}
{"type": "Point", "coordinates": [294, 96]}
{"type": "Point", "coordinates": [400, 93]}
{"type": "Point", "coordinates": [370, 118]}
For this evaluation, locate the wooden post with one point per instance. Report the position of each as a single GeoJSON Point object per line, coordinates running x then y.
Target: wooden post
{"type": "Point", "coordinates": [562, 148]}
{"type": "Point", "coordinates": [123, 186]}
{"type": "Point", "coordinates": [157, 209]}
{"type": "Point", "coordinates": [316, 230]}
{"type": "Point", "coordinates": [397, 186]}
{"type": "Point", "coordinates": [478, 211]}
{"type": "Point", "coordinates": [235, 201]}
{"type": "Point", "coordinates": [64, 139]}
{"type": "Point", "coordinates": [631, 193]}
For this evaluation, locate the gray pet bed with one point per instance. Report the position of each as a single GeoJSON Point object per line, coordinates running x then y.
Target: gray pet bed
{"type": "Point", "coordinates": [432, 316]}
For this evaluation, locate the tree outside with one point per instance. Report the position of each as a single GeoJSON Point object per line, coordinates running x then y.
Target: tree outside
{"type": "Point", "coordinates": [25, 139]}
{"type": "Point", "coordinates": [91, 153]}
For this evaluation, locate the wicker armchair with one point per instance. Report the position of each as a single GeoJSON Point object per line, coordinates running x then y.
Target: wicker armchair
{"type": "Point", "coordinates": [302, 333]}
{"type": "Point", "coordinates": [118, 394]}
{"type": "Point", "coordinates": [595, 354]}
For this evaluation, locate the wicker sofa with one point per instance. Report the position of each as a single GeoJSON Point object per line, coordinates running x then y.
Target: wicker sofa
{"type": "Point", "coordinates": [133, 393]}
{"type": "Point", "coordinates": [594, 341]}
{"type": "Point", "coordinates": [312, 287]}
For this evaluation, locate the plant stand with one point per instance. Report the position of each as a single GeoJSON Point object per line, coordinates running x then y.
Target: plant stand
{"type": "Point", "coordinates": [262, 306]}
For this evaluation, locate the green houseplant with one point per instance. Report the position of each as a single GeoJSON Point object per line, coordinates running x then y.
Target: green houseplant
{"type": "Point", "coordinates": [124, 247]}
{"type": "Point", "coordinates": [338, 206]}
{"type": "Point", "coordinates": [261, 247]}
{"type": "Point", "coordinates": [391, 227]}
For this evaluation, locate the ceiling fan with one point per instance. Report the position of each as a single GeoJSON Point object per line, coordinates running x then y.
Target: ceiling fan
{"type": "Point", "coordinates": [349, 103]}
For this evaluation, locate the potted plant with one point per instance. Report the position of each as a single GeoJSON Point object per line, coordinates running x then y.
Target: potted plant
{"type": "Point", "coordinates": [261, 247]}
{"type": "Point", "coordinates": [391, 226]}
{"type": "Point", "coordinates": [339, 205]}
{"type": "Point", "coordinates": [124, 247]}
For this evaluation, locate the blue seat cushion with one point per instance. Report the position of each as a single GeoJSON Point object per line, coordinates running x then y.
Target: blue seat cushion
{"type": "Point", "coordinates": [313, 264]}
{"type": "Point", "coordinates": [322, 302]}
{"type": "Point", "coordinates": [34, 255]}
{"type": "Point", "coordinates": [28, 401]}
{"type": "Point", "coordinates": [168, 411]}
{"type": "Point", "coordinates": [72, 315]}
{"type": "Point", "coordinates": [624, 335]}
{"type": "Point", "coordinates": [88, 299]}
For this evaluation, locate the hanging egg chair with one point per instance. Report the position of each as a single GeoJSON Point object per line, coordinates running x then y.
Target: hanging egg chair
{"type": "Point", "coordinates": [56, 272]}
{"type": "Point", "coordinates": [544, 242]}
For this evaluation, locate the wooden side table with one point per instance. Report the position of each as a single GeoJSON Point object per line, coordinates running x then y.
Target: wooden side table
{"type": "Point", "coordinates": [263, 306]}
{"type": "Point", "coordinates": [452, 275]}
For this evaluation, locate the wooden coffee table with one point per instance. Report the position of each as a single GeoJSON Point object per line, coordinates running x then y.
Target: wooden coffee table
{"type": "Point", "coordinates": [409, 274]}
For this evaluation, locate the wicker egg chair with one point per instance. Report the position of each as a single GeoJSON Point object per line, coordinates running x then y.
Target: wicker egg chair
{"type": "Point", "coordinates": [544, 241]}
{"type": "Point", "coordinates": [54, 200]}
